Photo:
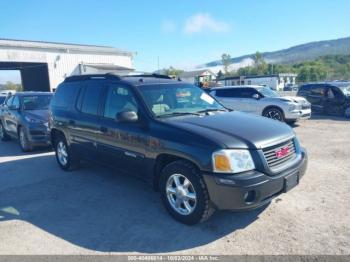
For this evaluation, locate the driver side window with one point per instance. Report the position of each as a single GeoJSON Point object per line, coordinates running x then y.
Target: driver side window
{"type": "Point", "coordinates": [119, 99]}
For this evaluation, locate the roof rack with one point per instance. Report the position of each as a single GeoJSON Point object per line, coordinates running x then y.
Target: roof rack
{"type": "Point", "coordinates": [92, 76]}
{"type": "Point", "coordinates": [150, 75]}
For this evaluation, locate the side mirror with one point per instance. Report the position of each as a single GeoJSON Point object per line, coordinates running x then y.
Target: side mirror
{"type": "Point", "coordinates": [256, 96]}
{"type": "Point", "coordinates": [127, 117]}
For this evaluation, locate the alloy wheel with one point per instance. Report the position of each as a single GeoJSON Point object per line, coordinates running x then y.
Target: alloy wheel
{"type": "Point", "coordinates": [62, 154]}
{"type": "Point", "coordinates": [274, 114]}
{"type": "Point", "coordinates": [181, 194]}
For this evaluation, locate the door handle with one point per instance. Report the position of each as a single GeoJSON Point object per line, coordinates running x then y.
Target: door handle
{"type": "Point", "coordinates": [103, 129]}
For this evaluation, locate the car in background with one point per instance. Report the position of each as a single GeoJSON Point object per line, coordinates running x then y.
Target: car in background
{"type": "Point", "coordinates": [2, 99]}
{"type": "Point", "coordinates": [24, 115]}
{"type": "Point", "coordinates": [290, 87]}
{"type": "Point", "coordinates": [262, 100]}
{"type": "Point", "coordinates": [199, 155]}
{"type": "Point", "coordinates": [331, 98]}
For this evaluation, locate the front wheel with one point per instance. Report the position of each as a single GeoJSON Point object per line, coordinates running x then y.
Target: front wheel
{"type": "Point", "coordinates": [274, 113]}
{"type": "Point", "coordinates": [184, 193]}
{"type": "Point", "coordinates": [23, 140]}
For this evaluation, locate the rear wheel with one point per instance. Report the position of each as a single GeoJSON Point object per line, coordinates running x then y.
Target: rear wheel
{"type": "Point", "coordinates": [66, 159]}
{"type": "Point", "coordinates": [274, 113]}
{"type": "Point", "coordinates": [23, 140]}
{"type": "Point", "coordinates": [347, 112]}
{"type": "Point", "coordinates": [184, 193]}
{"type": "Point", "coordinates": [3, 135]}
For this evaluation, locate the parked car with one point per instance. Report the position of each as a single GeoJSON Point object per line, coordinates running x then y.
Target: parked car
{"type": "Point", "coordinates": [290, 87]}
{"type": "Point", "coordinates": [24, 115]}
{"type": "Point", "coordinates": [2, 99]}
{"type": "Point", "coordinates": [331, 98]}
{"type": "Point", "coordinates": [199, 155]}
{"type": "Point", "coordinates": [263, 101]}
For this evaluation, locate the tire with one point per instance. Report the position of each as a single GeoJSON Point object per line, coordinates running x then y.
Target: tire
{"type": "Point", "coordinates": [66, 159]}
{"type": "Point", "coordinates": [194, 191]}
{"type": "Point", "coordinates": [23, 140]}
{"type": "Point", "coordinates": [274, 113]}
{"type": "Point", "coordinates": [3, 135]}
{"type": "Point", "coordinates": [347, 112]}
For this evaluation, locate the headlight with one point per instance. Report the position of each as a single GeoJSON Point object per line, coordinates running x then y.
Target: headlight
{"type": "Point", "coordinates": [33, 120]}
{"type": "Point", "coordinates": [292, 107]}
{"type": "Point", "coordinates": [232, 161]}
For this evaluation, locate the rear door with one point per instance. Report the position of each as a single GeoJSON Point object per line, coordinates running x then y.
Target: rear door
{"type": "Point", "coordinates": [230, 98]}
{"type": "Point", "coordinates": [317, 97]}
{"type": "Point", "coordinates": [84, 126]}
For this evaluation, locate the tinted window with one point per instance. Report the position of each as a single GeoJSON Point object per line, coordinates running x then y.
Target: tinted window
{"type": "Point", "coordinates": [65, 95]}
{"type": "Point", "coordinates": [119, 99]}
{"type": "Point", "coordinates": [247, 92]}
{"type": "Point", "coordinates": [233, 92]}
{"type": "Point", "coordinates": [91, 99]}
{"type": "Point", "coordinates": [317, 91]}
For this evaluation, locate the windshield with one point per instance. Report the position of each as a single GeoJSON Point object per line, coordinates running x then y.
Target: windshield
{"type": "Point", "coordinates": [167, 100]}
{"type": "Point", "coordinates": [267, 92]}
{"type": "Point", "coordinates": [345, 90]}
{"type": "Point", "coordinates": [36, 102]}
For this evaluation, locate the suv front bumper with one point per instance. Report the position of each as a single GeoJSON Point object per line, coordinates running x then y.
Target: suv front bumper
{"type": "Point", "coordinates": [298, 114]}
{"type": "Point", "coordinates": [252, 189]}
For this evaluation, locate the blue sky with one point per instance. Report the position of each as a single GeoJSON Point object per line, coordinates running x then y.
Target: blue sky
{"type": "Point", "coordinates": [180, 33]}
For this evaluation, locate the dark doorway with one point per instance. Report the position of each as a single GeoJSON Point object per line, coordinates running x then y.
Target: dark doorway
{"type": "Point", "coordinates": [34, 76]}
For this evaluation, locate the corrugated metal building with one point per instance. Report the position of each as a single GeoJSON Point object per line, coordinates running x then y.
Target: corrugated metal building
{"type": "Point", "coordinates": [43, 65]}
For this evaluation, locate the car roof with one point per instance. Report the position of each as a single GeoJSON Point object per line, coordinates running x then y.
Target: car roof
{"type": "Point", "coordinates": [136, 80]}
{"type": "Point", "coordinates": [241, 86]}
{"type": "Point", "coordinates": [26, 93]}
{"type": "Point", "coordinates": [332, 83]}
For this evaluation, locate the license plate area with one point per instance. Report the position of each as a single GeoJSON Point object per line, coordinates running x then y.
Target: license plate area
{"type": "Point", "coordinates": [291, 181]}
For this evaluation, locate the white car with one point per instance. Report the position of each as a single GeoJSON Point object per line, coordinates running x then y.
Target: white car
{"type": "Point", "coordinates": [263, 101]}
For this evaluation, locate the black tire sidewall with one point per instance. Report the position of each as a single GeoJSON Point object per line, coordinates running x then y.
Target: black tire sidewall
{"type": "Point", "coordinates": [28, 146]}
{"type": "Point", "coordinates": [199, 186]}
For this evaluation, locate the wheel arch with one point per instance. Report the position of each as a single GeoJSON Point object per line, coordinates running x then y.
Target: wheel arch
{"type": "Point", "coordinates": [54, 133]}
{"type": "Point", "coordinates": [271, 107]}
{"type": "Point", "coordinates": [165, 159]}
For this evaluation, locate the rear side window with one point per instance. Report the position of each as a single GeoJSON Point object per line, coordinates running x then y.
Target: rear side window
{"type": "Point", "coordinates": [65, 95]}
{"type": "Point", "coordinates": [91, 99]}
{"type": "Point", "coordinates": [227, 93]}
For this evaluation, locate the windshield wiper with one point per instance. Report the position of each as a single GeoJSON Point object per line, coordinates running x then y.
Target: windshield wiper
{"type": "Point", "coordinates": [179, 114]}
{"type": "Point", "coordinates": [212, 110]}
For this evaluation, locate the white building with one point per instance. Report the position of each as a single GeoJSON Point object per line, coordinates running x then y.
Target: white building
{"type": "Point", "coordinates": [43, 65]}
{"type": "Point", "coordinates": [276, 81]}
{"type": "Point", "coordinates": [204, 76]}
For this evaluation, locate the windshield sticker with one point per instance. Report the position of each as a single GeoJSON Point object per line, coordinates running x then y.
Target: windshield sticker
{"type": "Point", "coordinates": [207, 98]}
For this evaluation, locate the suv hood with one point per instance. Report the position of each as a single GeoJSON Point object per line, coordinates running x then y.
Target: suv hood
{"type": "Point", "coordinates": [236, 129]}
{"type": "Point", "coordinates": [42, 115]}
{"type": "Point", "coordinates": [293, 99]}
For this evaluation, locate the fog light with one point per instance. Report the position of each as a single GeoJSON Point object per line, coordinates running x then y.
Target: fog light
{"type": "Point", "coordinates": [249, 196]}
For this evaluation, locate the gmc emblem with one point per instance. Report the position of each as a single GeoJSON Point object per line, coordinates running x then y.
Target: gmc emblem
{"type": "Point", "coordinates": [282, 152]}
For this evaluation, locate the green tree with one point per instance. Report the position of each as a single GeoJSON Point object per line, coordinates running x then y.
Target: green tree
{"type": "Point", "coordinates": [12, 86]}
{"type": "Point", "coordinates": [226, 62]}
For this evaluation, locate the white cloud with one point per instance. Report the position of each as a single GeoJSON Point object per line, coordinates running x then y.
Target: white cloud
{"type": "Point", "coordinates": [201, 22]}
{"type": "Point", "coordinates": [168, 26]}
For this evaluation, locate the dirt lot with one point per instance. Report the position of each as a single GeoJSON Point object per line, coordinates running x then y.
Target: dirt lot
{"type": "Point", "coordinates": [46, 211]}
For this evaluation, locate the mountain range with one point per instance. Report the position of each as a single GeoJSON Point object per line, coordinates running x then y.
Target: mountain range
{"type": "Point", "coordinates": [295, 54]}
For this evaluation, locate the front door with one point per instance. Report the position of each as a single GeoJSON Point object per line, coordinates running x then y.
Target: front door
{"type": "Point", "coordinates": [121, 145]}
{"type": "Point", "coordinates": [334, 101]}
{"type": "Point", "coordinates": [316, 97]}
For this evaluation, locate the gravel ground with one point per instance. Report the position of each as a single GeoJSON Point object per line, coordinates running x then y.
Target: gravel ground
{"type": "Point", "coordinates": [44, 210]}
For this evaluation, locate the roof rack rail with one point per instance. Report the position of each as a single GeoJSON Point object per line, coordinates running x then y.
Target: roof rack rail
{"type": "Point", "coordinates": [150, 75]}
{"type": "Point", "coordinates": [91, 76]}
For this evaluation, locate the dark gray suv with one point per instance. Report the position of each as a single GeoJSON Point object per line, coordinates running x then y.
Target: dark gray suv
{"type": "Point", "coordinates": [24, 116]}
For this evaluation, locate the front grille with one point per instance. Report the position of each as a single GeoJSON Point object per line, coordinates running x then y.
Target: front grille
{"type": "Point", "coordinates": [306, 107]}
{"type": "Point", "coordinates": [271, 155]}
